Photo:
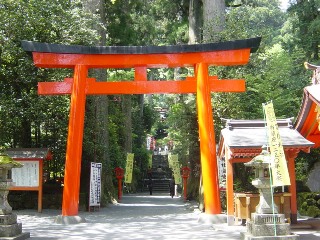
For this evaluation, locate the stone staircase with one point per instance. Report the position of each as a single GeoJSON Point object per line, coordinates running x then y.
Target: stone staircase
{"type": "Point", "coordinates": [161, 174]}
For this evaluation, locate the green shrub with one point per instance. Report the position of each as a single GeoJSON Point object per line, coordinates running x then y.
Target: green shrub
{"type": "Point", "coordinates": [308, 204]}
{"type": "Point", "coordinates": [313, 211]}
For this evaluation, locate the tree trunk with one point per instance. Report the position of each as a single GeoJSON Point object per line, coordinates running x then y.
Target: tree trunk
{"type": "Point", "coordinates": [25, 140]}
{"type": "Point", "coordinates": [213, 19]}
{"type": "Point", "coordinates": [126, 109]}
{"type": "Point", "coordinates": [101, 103]}
{"type": "Point", "coordinates": [195, 21]}
{"type": "Point", "coordinates": [195, 26]}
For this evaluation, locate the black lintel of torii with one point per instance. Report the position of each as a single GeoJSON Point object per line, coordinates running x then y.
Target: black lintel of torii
{"type": "Point", "coordinates": [252, 43]}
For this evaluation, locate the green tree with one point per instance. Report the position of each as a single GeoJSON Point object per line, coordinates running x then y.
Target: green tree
{"type": "Point", "coordinates": [29, 120]}
{"type": "Point", "coordinates": [308, 26]}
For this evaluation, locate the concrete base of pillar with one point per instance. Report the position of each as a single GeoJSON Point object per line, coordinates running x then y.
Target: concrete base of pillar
{"type": "Point", "coordinates": [294, 218]}
{"type": "Point", "coordinates": [246, 236]}
{"type": "Point", "coordinates": [230, 220]}
{"type": "Point", "coordinates": [212, 218]}
{"type": "Point", "coordinates": [69, 219]}
{"type": "Point", "coordinates": [20, 236]}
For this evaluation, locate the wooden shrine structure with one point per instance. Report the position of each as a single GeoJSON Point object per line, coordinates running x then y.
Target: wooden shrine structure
{"type": "Point", "coordinates": [242, 140]}
{"type": "Point", "coordinates": [308, 119]}
{"type": "Point", "coordinates": [140, 58]}
{"type": "Point", "coordinates": [30, 176]}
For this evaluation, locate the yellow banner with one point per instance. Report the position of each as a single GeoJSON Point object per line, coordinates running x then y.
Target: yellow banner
{"type": "Point", "coordinates": [150, 161]}
{"type": "Point", "coordinates": [171, 159]}
{"type": "Point", "coordinates": [175, 166]}
{"type": "Point", "coordinates": [129, 168]}
{"type": "Point", "coordinates": [280, 174]}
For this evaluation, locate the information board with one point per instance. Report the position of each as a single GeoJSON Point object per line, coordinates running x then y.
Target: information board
{"type": "Point", "coordinates": [95, 184]}
{"type": "Point", "coordinates": [26, 176]}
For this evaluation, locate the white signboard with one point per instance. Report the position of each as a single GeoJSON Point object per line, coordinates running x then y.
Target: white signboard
{"type": "Point", "coordinates": [95, 184]}
{"type": "Point", "coordinates": [27, 176]}
{"type": "Point", "coordinates": [222, 172]}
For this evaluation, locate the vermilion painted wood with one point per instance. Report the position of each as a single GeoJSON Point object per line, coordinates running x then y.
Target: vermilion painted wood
{"type": "Point", "coordinates": [310, 128]}
{"type": "Point", "coordinates": [217, 58]}
{"type": "Point", "coordinates": [229, 190]}
{"type": "Point", "coordinates": [292, 189]}
{"type": "Point", "coordinates": [209, 167]}
{"type": "Point", "coordinates": [140, 74]}
{"type": "Point", "coordinates": [309, 121]}
{"type": "Point", "coordinates": [290, 156]}
{"type": "Point", "coordinates": [71, 188]}
{"type": "Point", "coordinates": [140, 87]}
{"type": "Point", "coordinates": [81, 86]}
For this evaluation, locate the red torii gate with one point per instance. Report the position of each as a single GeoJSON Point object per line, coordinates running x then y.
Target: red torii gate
{"type": "Point", "coordinates": [198, 56]}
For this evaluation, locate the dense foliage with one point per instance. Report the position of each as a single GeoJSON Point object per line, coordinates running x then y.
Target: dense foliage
{"type": "Point", "coordinates": [116, 125]}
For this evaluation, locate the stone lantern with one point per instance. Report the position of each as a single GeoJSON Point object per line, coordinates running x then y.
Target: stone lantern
{"type": "Point", "coordinates": [261, 165]}
{"type": "Point", "coordinates": [8, 220]}
{"type": "Point", "coordinates": [266, 222]}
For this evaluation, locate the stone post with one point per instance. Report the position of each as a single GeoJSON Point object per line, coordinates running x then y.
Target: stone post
{"type": "Point", "coordinates": [8, 220]}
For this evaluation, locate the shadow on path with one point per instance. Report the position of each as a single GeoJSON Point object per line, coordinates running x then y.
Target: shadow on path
{"type": "Point", "coordinates": [138, 216]}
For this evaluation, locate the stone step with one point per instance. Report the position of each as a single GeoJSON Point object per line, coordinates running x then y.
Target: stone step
{"type": "Point", "coordinates": [159, 185]}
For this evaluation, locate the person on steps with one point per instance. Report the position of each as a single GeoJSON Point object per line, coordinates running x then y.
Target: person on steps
{"type": "Point", "coordinates": [150, 185]}
{"type": "Point", "coordinates": [172, 187]}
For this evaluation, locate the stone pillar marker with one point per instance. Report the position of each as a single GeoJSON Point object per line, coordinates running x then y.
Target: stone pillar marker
{"type": "Point", "coordinates": [266, 222]}
{"type": "Point", "coordinates": [9, 228]}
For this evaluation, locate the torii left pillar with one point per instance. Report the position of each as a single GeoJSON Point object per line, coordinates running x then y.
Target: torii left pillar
{"type": "Point", "coordinates": [82, 58]}
{"type": "Point", "coordinates": [70, 200]}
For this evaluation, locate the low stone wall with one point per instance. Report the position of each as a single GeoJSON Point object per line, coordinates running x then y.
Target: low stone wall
{"type": "Point", "coordinates": [29, 200]}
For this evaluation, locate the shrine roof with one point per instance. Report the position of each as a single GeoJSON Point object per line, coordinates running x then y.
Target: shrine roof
{"type": "Point", "coordinates": [306, 122]}
{"type": "Point", "coordinates": [29, 153]}
{"type": "Point", "coordinates": [253, 134]}
{"type": "Point", "coordinates": [252, 43]}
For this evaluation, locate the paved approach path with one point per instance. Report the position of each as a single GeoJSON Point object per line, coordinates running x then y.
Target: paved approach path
{"type": "Point", "coordinates": [138, 216]}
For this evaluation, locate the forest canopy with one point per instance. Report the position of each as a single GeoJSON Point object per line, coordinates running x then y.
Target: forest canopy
{"type": "Point", "coordinates": [118, 124]}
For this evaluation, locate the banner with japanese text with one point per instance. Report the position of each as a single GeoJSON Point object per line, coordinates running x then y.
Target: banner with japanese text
{"type": "Point", "coordinates": [129, 168]}
{"type": "Point", "coordinates": [150, 161]}
{"type": "Point", "coordinates": [279, 169]}
{"type": "Point", "coordinates": [175, 166]}
{"type": "Point", "coordinates": [95, 184]}
{"type": "Point", "coordinates": [172, 158]}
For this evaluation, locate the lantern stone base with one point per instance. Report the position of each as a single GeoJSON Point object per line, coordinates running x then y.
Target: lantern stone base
{"type": "Point", "coordinates": [10, 229]}
{"type": "Point", "coordinates": [263, 226]}
{"type": "Point", "coordinates": [206, 218]}
{"type": "Point", "coordinates": [69, 220]}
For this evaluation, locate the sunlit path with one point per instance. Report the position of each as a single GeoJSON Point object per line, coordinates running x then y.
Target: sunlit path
{"type": "Point", "coordinates": [138, 216]}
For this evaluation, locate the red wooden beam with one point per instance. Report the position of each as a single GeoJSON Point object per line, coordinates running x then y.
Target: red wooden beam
{"type": "Point", "coordinates": [140, 87]}
{"type": "Point", "coordinates": [216, 58]}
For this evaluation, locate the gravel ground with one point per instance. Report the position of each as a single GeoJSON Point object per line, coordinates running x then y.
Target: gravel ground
{"type": "Point", "coordinates": [138, 216]}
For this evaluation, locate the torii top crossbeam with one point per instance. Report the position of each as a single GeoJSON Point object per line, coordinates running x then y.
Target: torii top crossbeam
{"type": "Point", "coordinates": [66, 56]}
{"type": "Point", "coordinates": [198, 56]}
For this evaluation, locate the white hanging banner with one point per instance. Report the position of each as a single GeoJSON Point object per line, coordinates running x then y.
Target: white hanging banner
{"type": "Point", "coordinates": [280, 174]}
{"type": "Point", "coordinates": [95, 185]}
